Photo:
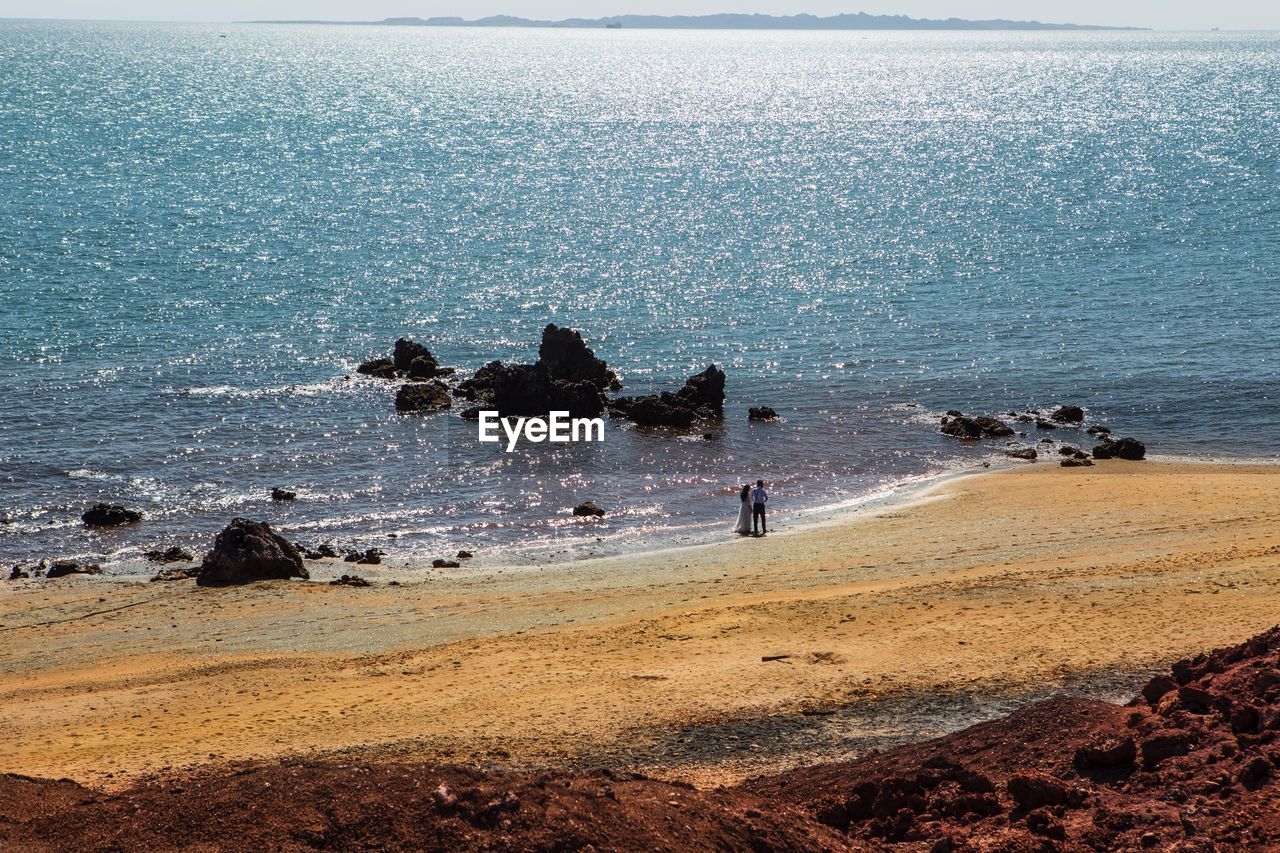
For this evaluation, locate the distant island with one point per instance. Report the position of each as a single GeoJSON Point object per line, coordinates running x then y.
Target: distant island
{"type": "Point", "coordinates": [859, 21]}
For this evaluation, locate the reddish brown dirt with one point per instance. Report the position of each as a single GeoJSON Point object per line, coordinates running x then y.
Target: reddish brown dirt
{"type": "Point", "coordinates": [1189, 766]}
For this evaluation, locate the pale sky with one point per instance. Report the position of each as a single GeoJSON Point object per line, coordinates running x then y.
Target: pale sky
{"type": "Point", "coordinates": [1157, 14]}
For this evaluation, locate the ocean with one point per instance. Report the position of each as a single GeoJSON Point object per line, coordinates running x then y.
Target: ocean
{"type": "Point", "coordinates": [206, 227]}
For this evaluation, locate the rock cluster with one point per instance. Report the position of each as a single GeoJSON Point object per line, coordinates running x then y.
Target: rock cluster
{"type": "Point", "coordinates": [248, 551]}
{"type": "Point", "coordinates": [109, 515]}
{"type": "Point", "coordinates": [958, 425]}
{"type": "Point", "coordinates": [369, 557]}
{"type": "Point", "coordinates": [701, 399]}
{"type": "Point", "coordinates": [410, 360]}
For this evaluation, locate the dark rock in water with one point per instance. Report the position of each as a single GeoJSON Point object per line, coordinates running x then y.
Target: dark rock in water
{"type": "Point", "coordinates": [705, 390]}
{"type": "Point", "coordinates": [109, 515]}
{"type": "Point", "coordinates": [960, 426]}
{"type": "Point", "coordinates": [567, 358]}
{"type": "Point", "coordinates": [445, 564]}
{"type": "Point", "coordinates": [62, 568]}
{"type": "Point", "coordinates": [588, 508]}
{"type": "Point", "coordinates": [18, 573]}
{"type": "Point", "coordinates": [378, 368]}
{"type": "Point", "coordinates": [279, 494]}
{"type": "Point", "coordinates": [701, 398]}
{"type": "Point", "coordinates": [1075, 462]}
{"type": "Point", "coordinates": [1123, 448]}
{"type": "Point", "coordinates": [1098, 430]}
{"type": "Point", "coordinates": [1068, 450]}
{"type": "Point", "coordinates": [423, 397]}
{"type": "Point", "coordinates": [481, 385]}
{"type": "Point", "coordinates": [954, 413]}
{"type": "Point", "coordinates": [175, 554]}
{"type": "Point", "coordinates": [522, 390]}
{"type": "Point", "coordinates": [465, 555]}
{"type": "Point", "coordinates": [165, 575]}
{"type": "Point", "coordinates": [471, 413]}
{"type": "Point", "coordinates": [349, 580]}
{"type": "Point", "coordinates": [1068, 415]}
{"type": "Point", "coordinates": [1041, 423]}
{"type": "Point", "coordinates": [665, 410]}
{"type": "Point", "coordinates": [761, 413]}
{"type": "Point", "coordinates": [1027, 453]}
{"type": "Point", "coordinates": [407, 351]}
{"type": "Point", "coordinates": [708, 436]}
{"type": "Point", "coordinates": [1024, 419]}
{"type": "Point", "coordinates": [248, 551]}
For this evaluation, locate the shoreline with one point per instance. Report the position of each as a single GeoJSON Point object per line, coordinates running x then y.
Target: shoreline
{"type": "Point", "coordinates": [1003, 587]}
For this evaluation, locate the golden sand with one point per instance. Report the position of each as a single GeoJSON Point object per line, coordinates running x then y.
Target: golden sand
{"type": "Point", "coordinates": [1004, 583]}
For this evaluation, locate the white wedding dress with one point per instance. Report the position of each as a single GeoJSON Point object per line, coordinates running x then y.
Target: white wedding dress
{"type": "Point", "coordinates": [744, 518]}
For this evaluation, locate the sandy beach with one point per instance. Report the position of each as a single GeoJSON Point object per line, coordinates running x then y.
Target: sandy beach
{"type": "Point", "coordinates": [709, 663]}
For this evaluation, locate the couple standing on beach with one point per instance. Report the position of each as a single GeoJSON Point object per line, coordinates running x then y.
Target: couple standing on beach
{"type": "Point", "coordinates": [751, 515]}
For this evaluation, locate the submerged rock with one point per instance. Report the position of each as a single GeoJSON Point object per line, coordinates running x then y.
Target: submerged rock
{"type": "Point", "coordinates": [248, 551]}
{"type": "Point", "coordinates": [109, 515]}
{"type": "Point", "coordinates": [423, 397]}
{"type": "Point", "coordinates": [761, 413]}
{"type": "Point", "coordinates": [279, 494]}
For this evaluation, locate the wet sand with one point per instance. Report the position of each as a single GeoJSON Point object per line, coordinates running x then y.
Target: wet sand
{"type": "Point", "coordinates": [888, 624]}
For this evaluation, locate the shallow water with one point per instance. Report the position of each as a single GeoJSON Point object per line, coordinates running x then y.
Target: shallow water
{"type": "Point", "coordinates": [204, 235]}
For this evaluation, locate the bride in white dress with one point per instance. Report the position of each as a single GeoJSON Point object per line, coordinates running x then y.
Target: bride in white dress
{"type": "Point", "coordinates": [744, 514]}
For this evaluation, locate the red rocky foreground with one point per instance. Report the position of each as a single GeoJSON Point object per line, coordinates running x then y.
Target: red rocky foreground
{"type": "Point", "coordinates": [1187, 766]}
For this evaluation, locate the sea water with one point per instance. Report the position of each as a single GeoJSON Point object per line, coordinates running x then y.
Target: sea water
{"type": "Point", "coordinates": [204, 228]}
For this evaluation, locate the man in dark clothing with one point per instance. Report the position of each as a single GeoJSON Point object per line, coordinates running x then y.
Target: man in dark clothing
{"type": "Point", "coordinates": [759, 497]}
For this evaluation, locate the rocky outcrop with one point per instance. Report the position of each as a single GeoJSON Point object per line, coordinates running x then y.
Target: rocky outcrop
{"type": "Point", "coordinates": [1073, 415]}
{"type": "Point", "coordinates": [761, 413]}
{"type": "Point", "coordinates": [410, 360]}
{"type": "Point", "coordinates": [248, 551]}
{"type": "Point", "coordinates": [109, 515]}
{"type": "Point", "coordinates": [567, 358]}
{"type": "Point", "coordinates": [62, 568]}
{"type": "Point", "coordinates": [1122, 448]}
{"type": "Point", "coordinates": [282, 494]}
{"type": "Point", "coordinates": [588, 508]}
{"type": "Point", "coordinates": [701, 399]}
{"type": "Point", "coordinates": [176, 554]}
{"type": "Point", "coordinates": [423, 397]}
{"type": "Point", "coordinates": [958, 425]}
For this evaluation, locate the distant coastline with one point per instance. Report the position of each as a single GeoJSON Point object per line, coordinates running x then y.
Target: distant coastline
{"type": "Point", "coordinates": [858, 21]}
